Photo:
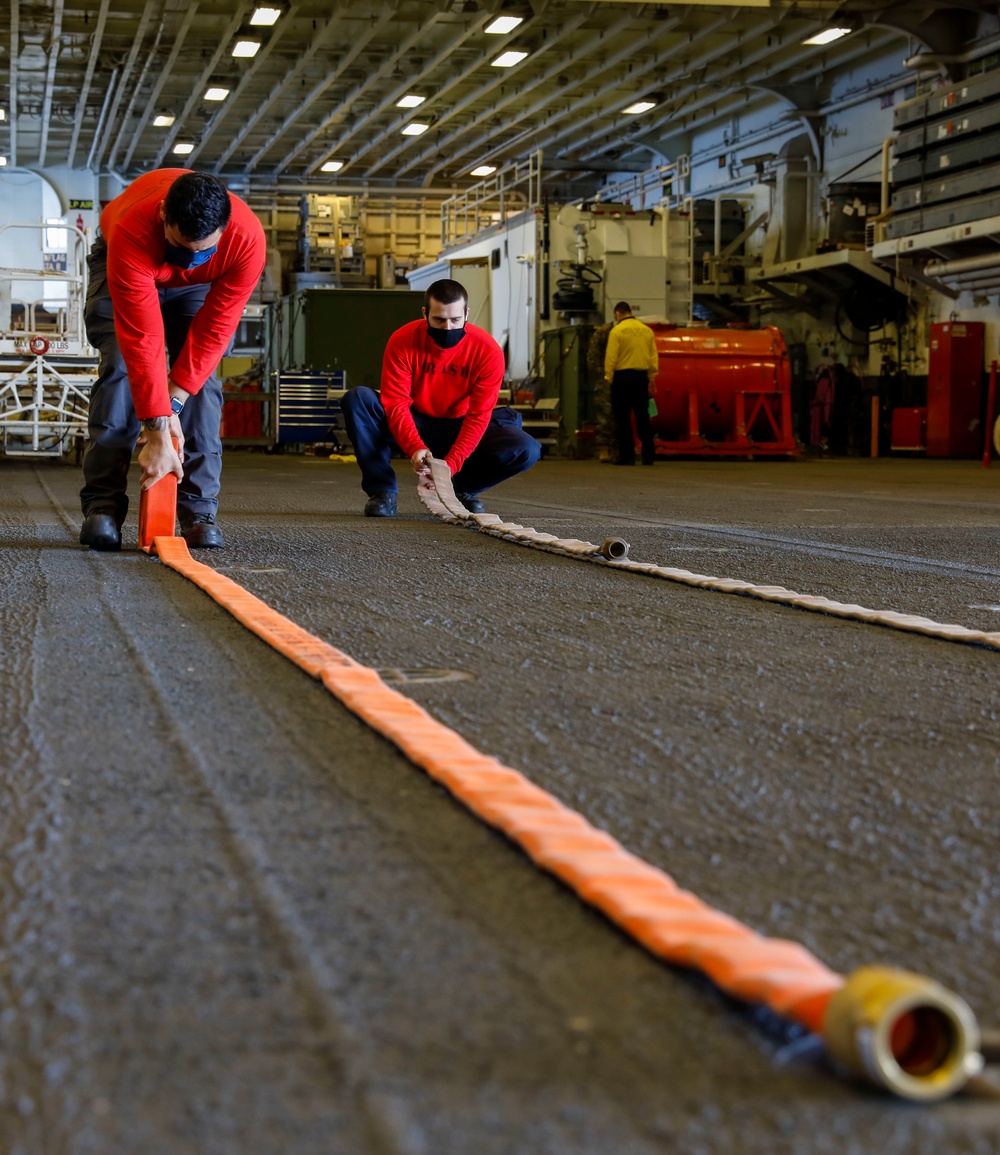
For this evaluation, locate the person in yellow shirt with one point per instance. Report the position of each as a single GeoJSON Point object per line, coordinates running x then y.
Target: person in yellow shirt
{"type": "Point", "coordinates": [631, 363]}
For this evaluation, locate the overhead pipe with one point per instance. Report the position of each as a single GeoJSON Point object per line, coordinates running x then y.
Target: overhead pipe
{"type": "Point", "coordinates": [198, 88]}
{"type": "Point", "coordinates": [248, 79]}
{"type": "Point", "coordinates": [655, 65]}
{"type": "Point", "coordinates": [460, 105]}
{"type": "Point", "coordinates": [50, 74]}
{"type": "Point", "coordinates": [977, 52]}
{"type": "Point", "coordinates": [136, 96]}
{"type": "Point", "coordinates": [403, 52]}
{"type": "Point", "coordinates": [984, 261]}
{"type": "Point", "coordinates": [812, 175]}
{"type": "Point", "coordinates": [853, 99]}
{"type": "Point", "coordinates": [318, 42]}
{"type": "Point", "coordinates": [954, 286]}
{"type": "Point", "coordinates": [95, 49]}
{"type": "Point", "coordinates": [665, 120]}
{"type": "Point", "coordinates": [777, 131]}
{"type": "Point", "coordinates": [248, 187]}
{"type": "Point", "coordinates": [657, 121]}
{"type": "Point", "coordinates": [344, 62]}
{"type": "Point", "coordinates": [101, 118]}
{"type": "Point", "coordinates": [124, 75]}
{"type": "Point", "coordinates": [981, 283]}
{"type": "Point", "coordinates": [166, 70]}
{"type": "Point", "coordinates": [15, 52]}
{"type": "Point", "coordinates": [582, 52]}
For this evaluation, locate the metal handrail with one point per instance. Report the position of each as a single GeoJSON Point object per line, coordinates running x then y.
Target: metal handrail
{"type": "Point", "coordinates": [492, 200]}
{"type": "Point", "coordinates": [666, 180]}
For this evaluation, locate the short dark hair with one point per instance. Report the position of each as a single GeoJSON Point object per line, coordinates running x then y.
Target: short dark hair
{"type": "Point", "coordinates": [623, 307]}
{"type": "Point", "coordinates": [446, 292]}
{"type": "Point", "coordinates": [197, 204]}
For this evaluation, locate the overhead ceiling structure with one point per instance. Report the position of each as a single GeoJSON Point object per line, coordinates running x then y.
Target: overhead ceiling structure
{"type": "Point", "coordinates": [419, 93]}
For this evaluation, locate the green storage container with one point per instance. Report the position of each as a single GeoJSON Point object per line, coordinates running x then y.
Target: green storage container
{"type": "Point", "coordinates": [347, 329]}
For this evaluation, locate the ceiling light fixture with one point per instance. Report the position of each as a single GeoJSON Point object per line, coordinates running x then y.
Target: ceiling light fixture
{"type": "Point", "coordinates": [246, 48]}
{"type": "Point", "coordinates": [483, 170]}
{"type": "Point", "coordinates": [164, 120]}
{"type": "Point", "coordinates": [503, 24]}
{"type": "Point", "coordinates": [182, 148]}
{"type": "Point", "coordinates": [639, 106]}
{"type": "Point", "coordinates": [410, 101]}
{"type": "Point", "coordinates": [265, 17]}
{"type": "Point", "coordinates": [3, 161]}
{"type": "Point", "coordinates": [216, 93]}
{"type": "Point", "coordinates": [415, 128]}
{"type": "Point", "coordinates": [332, 166]}
{"type": "Point", "coordinates": [509, 59]}
{"type": "Point", "coordinates": [3, 113]}
{"type": "Point", "coordinates": [828, 35]}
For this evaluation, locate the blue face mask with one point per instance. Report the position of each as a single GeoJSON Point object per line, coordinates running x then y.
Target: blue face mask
{"type": "Point", "coordinates": [186, 258]}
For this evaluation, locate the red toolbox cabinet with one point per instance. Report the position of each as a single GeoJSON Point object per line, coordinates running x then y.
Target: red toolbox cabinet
{"type": "Point", "coordinates": [954, 389]}
{"type": "Point", "coordinates": [909, 429]}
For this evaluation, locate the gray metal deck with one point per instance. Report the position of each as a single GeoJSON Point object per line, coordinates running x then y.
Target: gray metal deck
{"type": "Point", "coordinates": [232, 919]}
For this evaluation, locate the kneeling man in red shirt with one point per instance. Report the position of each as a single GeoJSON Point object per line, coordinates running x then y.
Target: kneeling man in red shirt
{"type": "Point", "coordinates": [441, 379]}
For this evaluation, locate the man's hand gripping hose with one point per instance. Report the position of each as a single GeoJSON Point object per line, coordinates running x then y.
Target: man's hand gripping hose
{"type": "Point", "coordinates": [158, 507]}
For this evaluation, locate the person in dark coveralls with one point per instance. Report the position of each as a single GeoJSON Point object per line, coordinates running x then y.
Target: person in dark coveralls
{"type": "Point", "coordinates": [631, 363]}
{"type": "Point", "coordinates": [176, 262]}
{"type": "Point", "coordinates": [440, 380]}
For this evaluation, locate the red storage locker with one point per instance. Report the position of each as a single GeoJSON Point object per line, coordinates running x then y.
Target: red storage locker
{"type": "Point", "coordinates": [954, 389]}
{"type": "Point", "coordinates": [909, 429]}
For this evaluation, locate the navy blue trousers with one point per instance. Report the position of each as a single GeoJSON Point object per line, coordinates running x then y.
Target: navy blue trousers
{"type": "Point", "coordinates": [503, 451]}
{"type": "Point", "coordinates": [114, 427]}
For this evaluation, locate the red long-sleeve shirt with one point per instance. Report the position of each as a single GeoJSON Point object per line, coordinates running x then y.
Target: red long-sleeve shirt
{"type": "Point", "coordinates": [463, 381]}
{"type": "Point", "coordinates": [137, 270]}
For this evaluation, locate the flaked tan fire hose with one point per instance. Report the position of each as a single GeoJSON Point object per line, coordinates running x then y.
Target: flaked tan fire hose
{"type": "Point", "coordinates": [901, 1031]}
{"type": "Point", "coordinates": [440, 499]}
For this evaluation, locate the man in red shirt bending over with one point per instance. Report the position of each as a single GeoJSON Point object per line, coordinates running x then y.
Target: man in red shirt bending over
{"type": "Point", "coordinates": [440, 380]}
{"type": "Point", "coordinates": [177, 260]}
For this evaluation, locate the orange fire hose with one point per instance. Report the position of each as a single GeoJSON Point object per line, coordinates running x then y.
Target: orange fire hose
{"type": "Point", "coordinates": [901, 1031]}
{"type": "Point", "coordinates": [158, 510]}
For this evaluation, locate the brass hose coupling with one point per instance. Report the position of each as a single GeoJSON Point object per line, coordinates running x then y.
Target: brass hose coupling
{"type": "Point", "coordinates": [903, 1032]}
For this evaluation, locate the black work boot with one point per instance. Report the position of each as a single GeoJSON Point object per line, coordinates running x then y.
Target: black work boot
{"type": "Point", "coordinates": [201, 532]}
{"type": "Point", "coordinates": [101, 531]}
{"type": "Point", "coordinates": [381, 505]}
{"type": "Point", "coordinates": [471, 502]}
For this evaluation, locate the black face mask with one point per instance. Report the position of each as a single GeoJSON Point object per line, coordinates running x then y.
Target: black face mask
{"type": "Point", "coordinates": [185, 258]}
{"type": "Point", "coordinates": [446, 338]}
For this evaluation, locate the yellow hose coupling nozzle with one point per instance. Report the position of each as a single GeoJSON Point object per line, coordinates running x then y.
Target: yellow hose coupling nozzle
{"type": "Point", "coordinates": [903, 1032]}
